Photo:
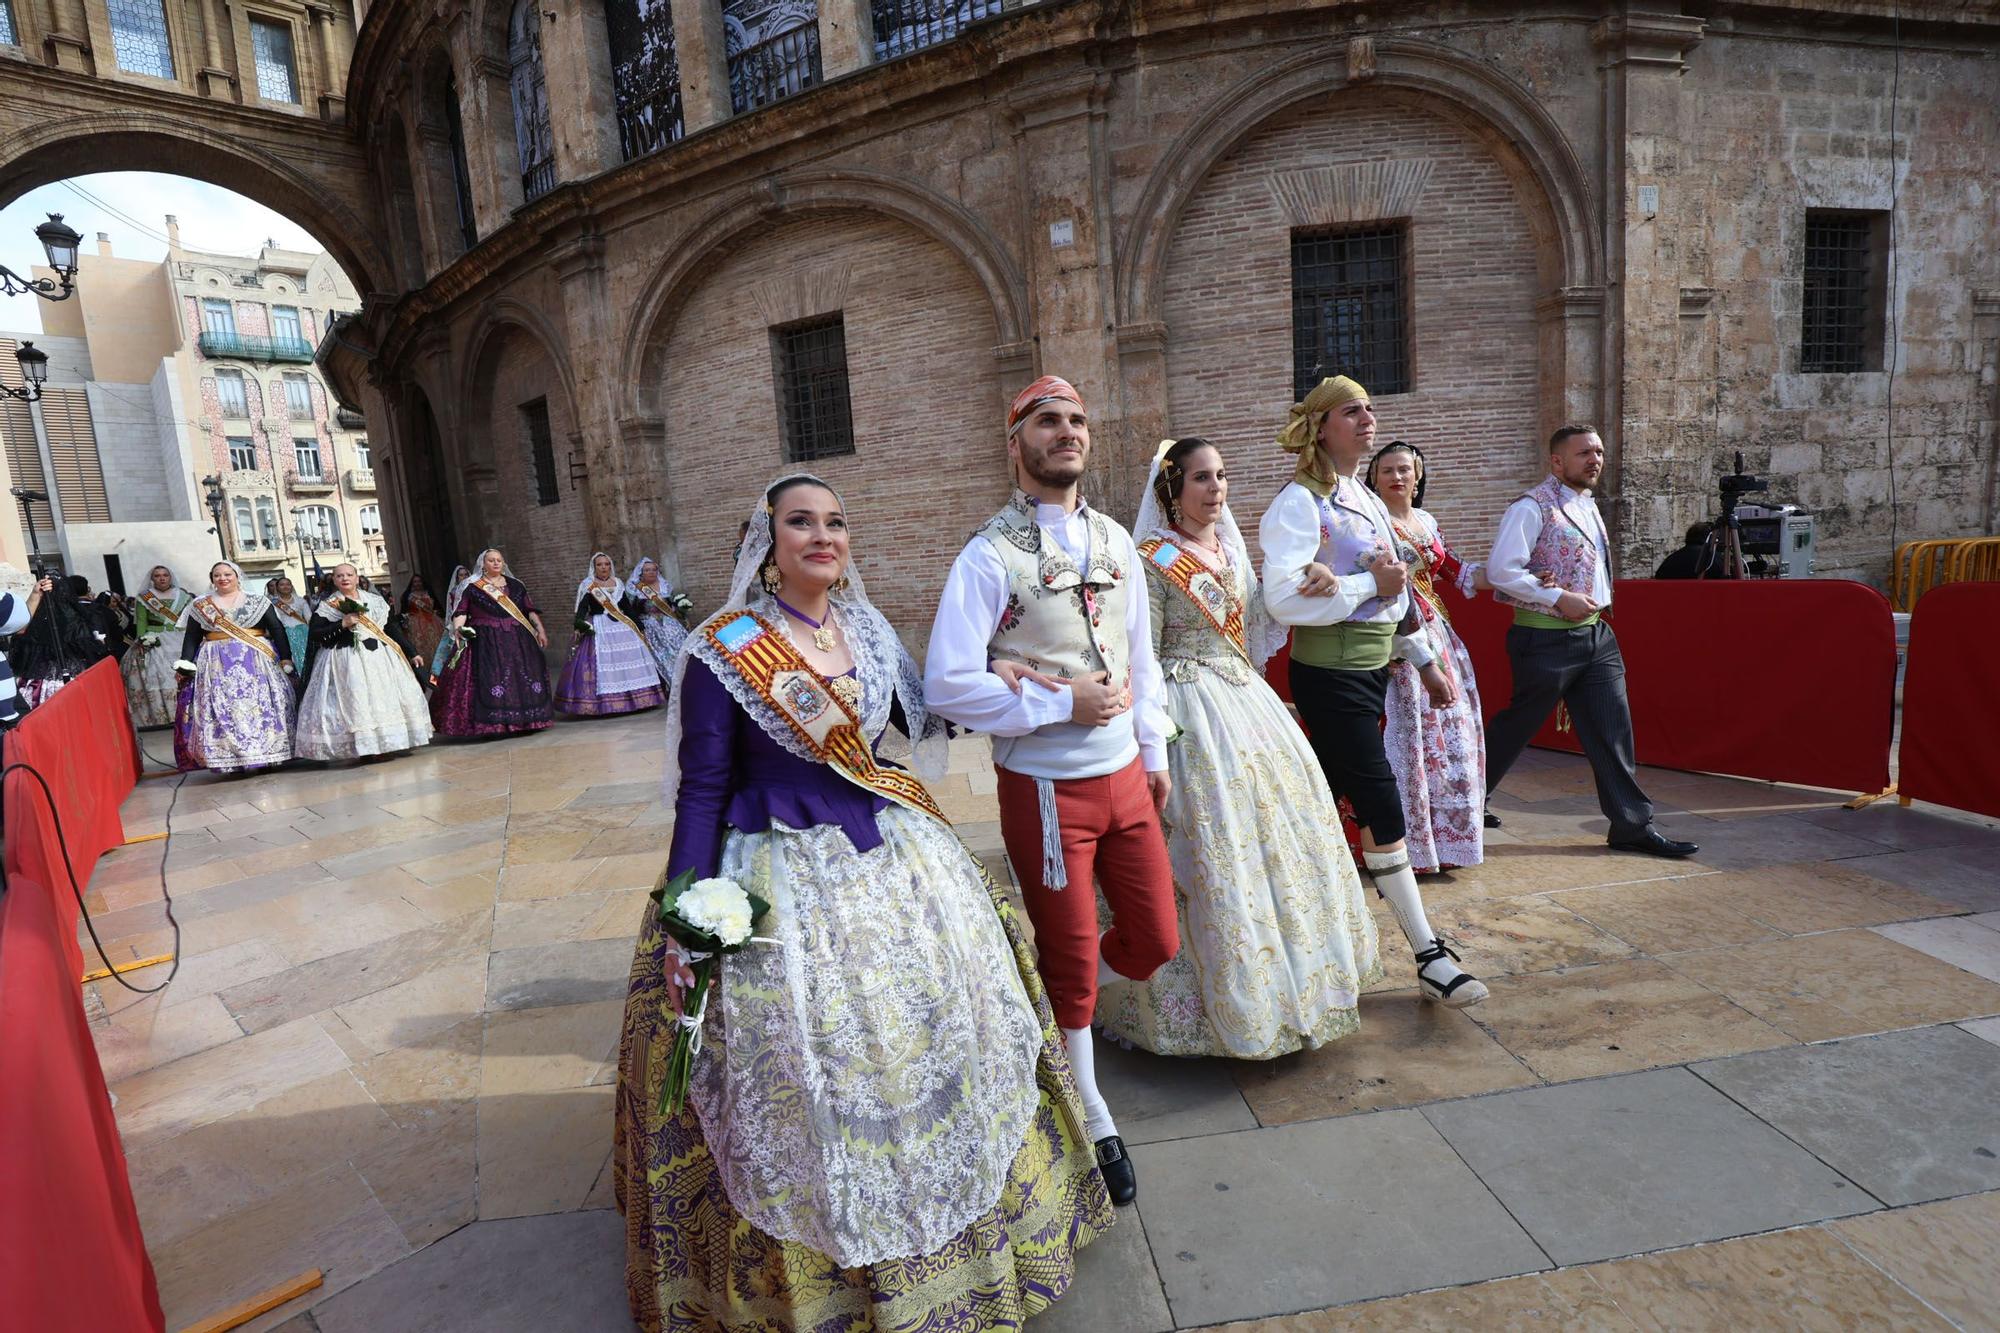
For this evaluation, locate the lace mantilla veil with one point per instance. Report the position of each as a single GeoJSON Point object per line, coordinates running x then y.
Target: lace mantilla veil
{"type": "Point", "coordinates": [883, 666]}
{"type": "Point", "coordinates": [472, 576]}
{"type": "Point", "coordinates": [1262, 635]}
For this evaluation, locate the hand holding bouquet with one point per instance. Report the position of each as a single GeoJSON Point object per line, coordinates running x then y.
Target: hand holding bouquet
{"type": "Point", "coordinates": [705, 919]}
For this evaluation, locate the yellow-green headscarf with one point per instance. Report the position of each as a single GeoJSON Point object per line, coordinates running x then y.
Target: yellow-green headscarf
{"type": "Point", "coordinates": [1301, 433]}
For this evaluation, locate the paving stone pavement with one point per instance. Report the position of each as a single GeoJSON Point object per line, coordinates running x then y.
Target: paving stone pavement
{"type": "Point", "coordinates": [1751, 1090]}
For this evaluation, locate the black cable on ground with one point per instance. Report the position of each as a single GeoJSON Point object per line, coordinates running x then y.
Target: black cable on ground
{"type": "Point", "coordinates": [77, 889]}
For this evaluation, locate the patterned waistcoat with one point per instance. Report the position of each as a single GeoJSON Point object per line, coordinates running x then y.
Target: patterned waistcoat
{"type": "Point", "coordinates": [1059, 619]}
{"type": "Point", "coordinates": [1563, 548]}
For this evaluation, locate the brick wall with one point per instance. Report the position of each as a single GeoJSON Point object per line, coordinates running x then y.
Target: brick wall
{"type": "Point", "coordinates": [929, 461]}
{"type": "Point", "coordinates": [547, 546]}
{"type": "Point", "coordinates": [1228, 291]}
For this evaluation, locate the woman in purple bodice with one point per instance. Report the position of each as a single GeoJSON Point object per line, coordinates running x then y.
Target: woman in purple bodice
{"type": "Point", "coordinates": [881, 1131]}
{"type": "Point", "coordinates": [497, 681]}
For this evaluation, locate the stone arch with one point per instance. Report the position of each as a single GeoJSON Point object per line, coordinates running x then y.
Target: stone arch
{"type": "Point", "coordinates": [487, 340]}
{"type": "Point", "coordinates": [135, 141]}
{"type": "Point", "coordinates": [1462, 86]}
{"type": "Point", "coordinates": [738, 215]}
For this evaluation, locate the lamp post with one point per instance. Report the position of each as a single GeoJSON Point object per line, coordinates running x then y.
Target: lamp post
{"type": "Point", "coordinates": [215, 507]}
{"type": "Point", "coordinates": [27, 497]}
{"type": "Point", "coordinates": [59, 243]}
{"type": "Point", "coordinates": [34, 370]}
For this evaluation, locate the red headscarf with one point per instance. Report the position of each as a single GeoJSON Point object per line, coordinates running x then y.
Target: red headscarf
{"type": "Point", "coordinates": [1049, 388]}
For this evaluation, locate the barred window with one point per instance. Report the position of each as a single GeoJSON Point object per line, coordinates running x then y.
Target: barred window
{"type": "Point", "coordinates": [9, 34]}
{"type": "Point", "coordinates": [533, 139]}
{"type": "Point", "coordinates": [277, 77]}
{"type": "Point", "coordinates": [1350, 302]}
{"type": "Point", "coordinates": [1845, 291]}
{"type": "Point", "coordinates": [903, 26]}
{"type": "Point", "coordinates": [780, 65]}
{"type": "Point", "coordinates": [541, 450]}
{"type": "Point", "coordinates": [139, 37]}
{"type": "Point", "coordinates": [242, 453]}
{"type": "Point", "coordinates": [229, 394]}
{"type": "Point", "coordinates": [645, 75]}
{"type": "Point", "coordinates": [813, 405]}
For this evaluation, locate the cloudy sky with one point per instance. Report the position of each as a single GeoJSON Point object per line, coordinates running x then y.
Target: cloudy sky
{"type": "Point", "coordinates": [132, 206]}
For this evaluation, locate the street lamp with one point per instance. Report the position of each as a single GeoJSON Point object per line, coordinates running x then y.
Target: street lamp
{"type": "Point", "coordinates": [28, 497]}
{"type": "Point", "coordinates": [34, 370]}
{"type": "Point", "coordinates": [215, 507]}
{"type": "Point", "coordinates": [60, 244]}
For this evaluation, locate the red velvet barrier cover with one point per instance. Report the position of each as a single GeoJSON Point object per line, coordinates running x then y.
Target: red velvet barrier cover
{"type": "Point", "coordinates": [1951, 700]}
{"type": "Point", "coordinates": [71, 1256]}
{"type": "Point", "coordinates": [1785, 680]}
{"type": "Point", "coordinates": [82, 742]}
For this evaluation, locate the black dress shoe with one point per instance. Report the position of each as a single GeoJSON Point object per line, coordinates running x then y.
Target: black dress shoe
{"type": "Point", "coordinates": [1116, 1168]}
{"type": "Point", "coordinates": [1492, 820]}
{"type": "Point", "coordinates": [1654, 843]}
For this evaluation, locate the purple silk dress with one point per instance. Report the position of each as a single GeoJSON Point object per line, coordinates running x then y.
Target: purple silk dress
{"type": "Point", "coordinates": [501, 682]}
{"type": "Point", "coordinates": [735, 776]}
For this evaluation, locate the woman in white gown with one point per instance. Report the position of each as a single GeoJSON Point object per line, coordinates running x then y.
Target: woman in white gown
{"type": "Point", "coordinates": [362, 697]}
{"type": "Point", "coordinates": [661, 612]}
{"type": "Point", "coordinates": [1276, 938]}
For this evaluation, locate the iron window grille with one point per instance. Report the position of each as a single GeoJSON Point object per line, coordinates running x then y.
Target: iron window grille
{"type": "Point", "coordinates": [904, 26]}
{"type": "Point", "coordinates": [242, 453]}
{"type": "Point", "coordinates": [813, 401]}
{"type": "Point", "coordinates": [298, 397]}
{"type": "Point", "coordinates": [1350, 303]}
{"type": "Point", "coordinates": [230, 394]}
{"type": "Point", "coordinates": [775, 68]}
{"type": "Point", "coordinates": [305, 452]}
{"type": "Point", "coordinates": [534, 141]}
{"type": "Point", "coordinates": [541, 450]}
{"type": "Point", "coordinates": [139, 37]}
{"type": "Point", "coordinates": [1841, 318]}
{"type": "Point", "coordinates": [277, 76]}
{"type": "Point", "coordinates": [9, 34]}
{"type": "Point", "coordinates": [645, 75]}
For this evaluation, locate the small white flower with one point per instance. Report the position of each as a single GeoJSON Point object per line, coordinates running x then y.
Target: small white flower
{"type": "Point", "coordinates": [719, 907]}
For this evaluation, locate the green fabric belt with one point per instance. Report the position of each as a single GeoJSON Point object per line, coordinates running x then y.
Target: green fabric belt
{"type": "Point", "coordinates": [1352, 645]}
{"type": "Point", "coordinates": [1538, 620]}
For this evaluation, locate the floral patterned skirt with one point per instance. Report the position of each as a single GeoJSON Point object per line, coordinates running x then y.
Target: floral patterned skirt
{"type": "Point", "coordinates": [150, 684]}
{"type": "Point", "coordinates": [695, 1262]}
{"type": "Point", "coordinates": [1277, 941]}
{"type": "Point", "coordinates": [237, 712]}
{"type": "Point", "coordinates": [1439, 758]}
{"type": "Point", "coordinates": [499, 686]}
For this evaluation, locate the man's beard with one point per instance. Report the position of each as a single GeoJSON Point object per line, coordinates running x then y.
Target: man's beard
{"type": "Point", "coordinates": [1047, 471]}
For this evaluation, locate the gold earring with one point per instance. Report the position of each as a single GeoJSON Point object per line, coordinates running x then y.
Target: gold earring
{"type": "Point", "coordinates": [840, 584]}
{"type": "Point", "coordinates": [1173, 511]}
{"type": "Point", "coordinates": [771, 578]}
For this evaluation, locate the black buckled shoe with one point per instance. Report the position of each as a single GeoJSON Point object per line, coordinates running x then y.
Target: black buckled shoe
{"type": "Point", "coordinates": [1652, 842]}
{"type": "Point", "coordinates": [1492, 820]}
{"type": "Point", "coordinates": [1115, 1166]}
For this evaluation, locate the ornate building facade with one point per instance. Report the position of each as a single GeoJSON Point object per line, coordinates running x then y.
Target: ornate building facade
{"type": "Point", "coordinates": [623, 260]}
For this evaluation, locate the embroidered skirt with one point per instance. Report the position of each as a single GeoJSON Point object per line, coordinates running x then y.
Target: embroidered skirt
{"type": "Point", "coordinates": [237, 713]}
{"type": "Point", "coordinates": [609, 672]}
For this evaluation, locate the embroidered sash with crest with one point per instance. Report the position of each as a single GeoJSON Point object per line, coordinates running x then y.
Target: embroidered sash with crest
{"type": "Point", "coordinates": [1183, 569]}
{"type": "Point", "coordinates": [661, 604]}
{"type": "Point", "coordinates": [773, 668]}
{"type": "Point", "coordinates": [1423, 573]}
{"type": "Point", "coordinates": [220, 622]}
{"type": "Point", "coordinates": [506, 604]}
{"type": "Point", "coordinates": [161, 610]}
{"type": "Point", "coordinates": [285, 610]}
{"type": "Point", "coordinates": [613, 610]}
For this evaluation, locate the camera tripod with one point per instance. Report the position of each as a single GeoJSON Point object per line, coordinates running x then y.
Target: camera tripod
{"type": "Point", "coordinates": [1722, 549]}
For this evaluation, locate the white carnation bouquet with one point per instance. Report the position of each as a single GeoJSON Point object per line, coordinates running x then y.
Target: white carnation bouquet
{"type": "Point", "coordinates": [707, 919]}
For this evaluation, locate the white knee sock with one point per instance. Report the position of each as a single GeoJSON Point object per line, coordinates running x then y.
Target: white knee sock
{"type": "Point", "coordinates": [1083, 1063]}
{"type": "Point", "coordinates": [1392, 875]}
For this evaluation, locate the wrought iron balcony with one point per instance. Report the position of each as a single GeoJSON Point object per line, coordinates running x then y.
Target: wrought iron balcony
{"type": "Point", "coordinates": [254, 347]}
{"type": "Point", "coordinates": [903, 26]}
{"type": "Point", "coordinates": [310, 483]}
{"type": "Point", "coordinates": [538, 179]}
{"type": "Point", "coordinates": [361, 479]}
{"type": "Point", "coordinates": [775, 68]}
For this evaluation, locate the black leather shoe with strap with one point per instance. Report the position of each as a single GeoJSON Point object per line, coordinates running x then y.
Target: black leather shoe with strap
{"type": "Point", "coordinates": [1120, 1181]}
